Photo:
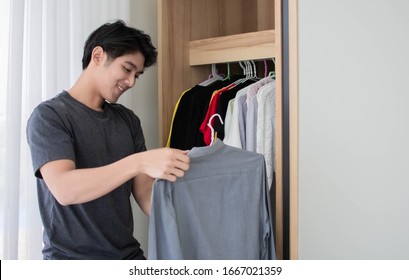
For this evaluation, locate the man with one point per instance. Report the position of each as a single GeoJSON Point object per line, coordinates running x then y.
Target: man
{"type": "Point", "coordinates": [89, 153]}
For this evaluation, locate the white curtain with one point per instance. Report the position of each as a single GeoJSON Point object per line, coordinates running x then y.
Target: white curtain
{"type": "Point", "coordinates": [41, 50]}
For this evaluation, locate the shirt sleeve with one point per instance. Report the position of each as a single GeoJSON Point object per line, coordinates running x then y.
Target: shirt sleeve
{"type": "Point", "coordinates": [164, 242]}
{"type": "Point", "coordinates": [48, 138]}
{"type": "Point", "coordinates": [267, 249]}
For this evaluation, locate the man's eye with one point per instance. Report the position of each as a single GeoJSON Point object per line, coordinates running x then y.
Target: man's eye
{"type": "Point", "coordinates": [126, 69]}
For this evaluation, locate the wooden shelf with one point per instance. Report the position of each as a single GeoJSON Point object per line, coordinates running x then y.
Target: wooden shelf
{"type": "Point", "coordinates": [245, 46]}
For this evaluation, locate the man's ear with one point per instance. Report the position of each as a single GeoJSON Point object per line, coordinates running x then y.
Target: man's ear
{"type": "Point", "coordinates": [97, 55]}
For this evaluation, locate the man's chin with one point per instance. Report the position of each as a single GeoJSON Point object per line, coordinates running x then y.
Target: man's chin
{"type": "Point", "coordinates": [112, 100]}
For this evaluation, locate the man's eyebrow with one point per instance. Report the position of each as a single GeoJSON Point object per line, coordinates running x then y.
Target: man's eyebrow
{"type": "Point", "coordinates": [131, 64]}
{"type": "Point", "coordinates": [134, 66]}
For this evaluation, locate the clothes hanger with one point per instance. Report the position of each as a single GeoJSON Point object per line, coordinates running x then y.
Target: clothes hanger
{"type": "Point", "coordinates": [252, 68]}
{"type": "Point", "coordinates": [272, 74]}
{"type": "Point", "coordinates": [244, 67]}
{"type": "Point", "coordinates": [255, 77]}
{"type": "Point", "coordinates": [265, 68]}
{"type": "Point", "coordinates": [209, 124]}
{"type": "Point", "coordinates": [215, 76]}
{"type": "Point", "coordinates": [251, 71]}
{"type": "Point", "coordinates": [228, 72]}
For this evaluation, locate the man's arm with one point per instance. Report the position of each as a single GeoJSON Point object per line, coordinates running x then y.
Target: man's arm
{"type": "Point", "coordinates": [142, 191]}
{"type": "Point", "coordinates": [71, 186]}
{"type": "Point", "coordinates": [142, 184]}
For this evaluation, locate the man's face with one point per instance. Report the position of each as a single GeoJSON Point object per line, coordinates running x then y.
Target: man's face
{"type": "Point", "coordinates": [119, 75]}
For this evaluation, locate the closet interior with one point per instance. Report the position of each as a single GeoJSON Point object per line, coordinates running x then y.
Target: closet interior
{"type": "Point", "coordinates": [196, 34]}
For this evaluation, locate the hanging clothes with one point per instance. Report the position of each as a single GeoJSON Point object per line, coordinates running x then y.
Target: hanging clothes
{"type": "Point", "coordinates": [220, 209]}
{"type": "Point", "coordinates": [265, 131]}
{"type": "Point", "coordinates": [204, 128]}
{"type": "Point", "coordinates": [236, 137]}
{"type": "Point", "coordinates": [231, 132]}
{"type": "Point", "coordinates": [250, 114]}
{"type": "Point", "coordinates": [180, 119]}
{"type": "Point", "coordinates": [247, 109]}
{"type": "Point", "coordinates": [189, 114]}
{"type": "Point", "coordinates": [177, 117]}
{"type": "Point", "coordinates": [223, 103]}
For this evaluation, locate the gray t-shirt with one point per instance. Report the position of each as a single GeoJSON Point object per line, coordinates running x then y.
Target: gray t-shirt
{"type": "Point", "coordinates": [220, 209]}
{"type": "Point", "coordinates": [64, 128]}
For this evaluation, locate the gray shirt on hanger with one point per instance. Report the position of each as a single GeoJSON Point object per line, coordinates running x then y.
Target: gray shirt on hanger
{"type": "Point", "coordinates": [220, 209]}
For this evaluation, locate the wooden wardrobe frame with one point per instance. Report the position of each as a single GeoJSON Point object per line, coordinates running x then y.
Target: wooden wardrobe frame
{"type": "Point", "coordinates": [193, 34]}
{"type": "Point", "coordinates": [293, 120]}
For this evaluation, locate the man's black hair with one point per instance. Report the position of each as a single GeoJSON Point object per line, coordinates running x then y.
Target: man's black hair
{"type": "Point", "coordinates": [118, 39]}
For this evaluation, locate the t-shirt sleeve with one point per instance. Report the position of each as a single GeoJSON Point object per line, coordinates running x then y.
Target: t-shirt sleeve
{"type": "Point", "coordinates": [135, 126]}
{"type": "Point", "coordinates": [48, 138]}
{"type": "Point", "coordinates": [140, 145]}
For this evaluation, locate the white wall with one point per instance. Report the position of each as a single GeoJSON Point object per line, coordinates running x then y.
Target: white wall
{"type": "Point", "coordinates": [145, 93]}
{"type": "Point", "coordinates": [144, 98]}
{"type": "Point", "coordinates": [353, 129]}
